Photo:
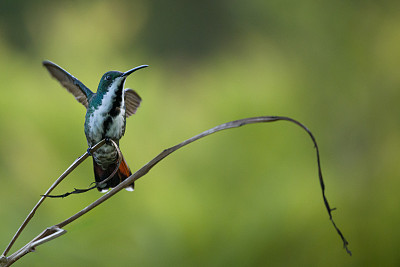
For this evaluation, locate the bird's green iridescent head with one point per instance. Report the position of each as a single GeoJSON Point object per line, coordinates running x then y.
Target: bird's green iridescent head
{"type": "Point", "coordinates": [115, 78]}
{"type": "Point", "coordinates": [108, 79]}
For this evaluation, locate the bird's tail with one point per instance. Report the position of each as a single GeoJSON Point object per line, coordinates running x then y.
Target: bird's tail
{"type": "Point", "coordinates": [122, 173]}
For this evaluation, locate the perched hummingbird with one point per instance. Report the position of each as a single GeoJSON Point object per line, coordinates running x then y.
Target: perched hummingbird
{"type": "Point", "coordinates": [106, 114]}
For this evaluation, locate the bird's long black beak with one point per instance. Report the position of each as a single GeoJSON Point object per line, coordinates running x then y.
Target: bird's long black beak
{"type": "Point", "coordinates": [126, 73]}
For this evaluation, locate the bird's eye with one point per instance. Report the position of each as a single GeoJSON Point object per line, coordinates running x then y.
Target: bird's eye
{"type": "Point", "coordinates": [108, 77]}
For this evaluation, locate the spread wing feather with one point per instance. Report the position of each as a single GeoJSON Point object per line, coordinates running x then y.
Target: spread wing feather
{"type": "Point", "coordinates": [132, 102]}
{"type": "Point", "coordinates": [72, 84]}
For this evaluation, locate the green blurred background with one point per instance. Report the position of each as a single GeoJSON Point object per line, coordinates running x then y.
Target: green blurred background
{"type": "Point", "coordinates": [243, 197]}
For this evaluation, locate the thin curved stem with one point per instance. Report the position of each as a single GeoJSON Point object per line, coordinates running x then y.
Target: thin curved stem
{"type": "Point", "coordinates": [55, 232]}
{"type": "Point", "coordinates": [75, 164]}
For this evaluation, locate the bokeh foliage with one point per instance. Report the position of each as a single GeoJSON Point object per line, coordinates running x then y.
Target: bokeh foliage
{"type": "Point", "coordinates": [245, 197]}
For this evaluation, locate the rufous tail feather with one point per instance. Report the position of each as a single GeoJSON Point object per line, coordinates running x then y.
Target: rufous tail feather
{"type": "Point", "coordinates": [122, 173]}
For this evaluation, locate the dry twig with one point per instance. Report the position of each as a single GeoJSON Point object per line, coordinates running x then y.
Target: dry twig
{"type": "Point", "coordinates": [97, 184]}
{"type": "Point", "coordinates": [56, 230]}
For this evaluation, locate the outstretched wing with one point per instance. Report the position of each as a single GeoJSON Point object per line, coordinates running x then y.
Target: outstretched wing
{"type": "Point", "coordinates": [132, 102]}
{"type": "Point", "coordinates": [72, 84]}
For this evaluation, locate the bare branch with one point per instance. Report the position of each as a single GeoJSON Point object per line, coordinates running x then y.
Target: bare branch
{"type": "Point", "coordinates": [76, 163]}
{"type": "Point", "coordinates": [146, 168]}
{"type": "Point", "coordinates": [47, 235]}
{"type": "Point", "coordinates": [97, 184]}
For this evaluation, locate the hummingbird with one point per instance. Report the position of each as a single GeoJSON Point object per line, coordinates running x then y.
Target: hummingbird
{"type": "Point", "coordinates": [106, 113]}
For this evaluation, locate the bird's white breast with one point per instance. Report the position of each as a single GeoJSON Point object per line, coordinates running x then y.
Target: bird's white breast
{"type": "Point", "coordinates": [96, 120]}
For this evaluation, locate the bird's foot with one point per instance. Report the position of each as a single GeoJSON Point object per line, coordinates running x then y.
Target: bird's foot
{"type": "Point", "coordinates": [89, 151]}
